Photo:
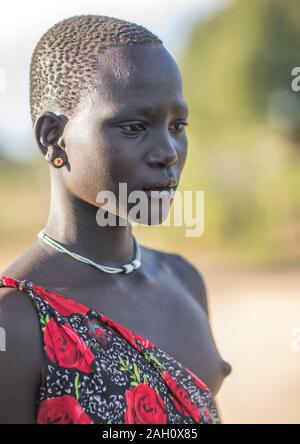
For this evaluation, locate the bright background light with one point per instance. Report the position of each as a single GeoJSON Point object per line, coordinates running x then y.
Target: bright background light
{"type": "Point", "coordinates": [23, 23]}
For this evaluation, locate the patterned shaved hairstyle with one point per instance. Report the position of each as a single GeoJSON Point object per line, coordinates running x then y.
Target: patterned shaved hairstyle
{"type": "Point", "coordinates": [64, 63]}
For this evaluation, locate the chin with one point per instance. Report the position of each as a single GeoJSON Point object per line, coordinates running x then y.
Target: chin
{"type": "Point", "coordinates": [155, 215]}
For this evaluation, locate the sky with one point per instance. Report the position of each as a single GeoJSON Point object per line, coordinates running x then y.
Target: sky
{"type": "Point", "coordinates": [22, 23]}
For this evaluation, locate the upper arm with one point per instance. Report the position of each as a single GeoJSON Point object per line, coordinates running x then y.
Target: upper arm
{"type": "Point", "coordinates": [195, 282]}
{"type": "Point", "coordinates": [19, 362]}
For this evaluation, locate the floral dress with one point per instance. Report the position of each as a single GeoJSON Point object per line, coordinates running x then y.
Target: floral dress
{"type": "Point", "coordinates": [97, 371]}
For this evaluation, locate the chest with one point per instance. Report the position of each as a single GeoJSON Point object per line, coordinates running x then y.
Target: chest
{"type": "Point", "coordinates": [164, 312]}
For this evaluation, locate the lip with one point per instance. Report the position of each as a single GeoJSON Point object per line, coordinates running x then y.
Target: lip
{"type": "Point", "coordinates": [163, 193]}
{"type": "Point", "coordinates": [162, 185]}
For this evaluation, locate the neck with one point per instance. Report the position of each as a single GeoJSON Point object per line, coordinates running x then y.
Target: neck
{"type": "Point", "coordinates": [72, 222]}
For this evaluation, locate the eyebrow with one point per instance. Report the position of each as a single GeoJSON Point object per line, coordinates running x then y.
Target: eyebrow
{"type": "Point", "coordinates": [149, 111]}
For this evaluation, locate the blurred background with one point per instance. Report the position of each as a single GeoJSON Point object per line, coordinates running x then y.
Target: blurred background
{"type": "Point", "coordinates": [236, 59]}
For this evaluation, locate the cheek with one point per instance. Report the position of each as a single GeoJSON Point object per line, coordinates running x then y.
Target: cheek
{"type": "Point", "coordinates": [182, 152]}
{"type": "Point", "coordinates": [89, 167]}
{"type": "Point", "coordinates": [124, 160]}
{"type": "Point", "coordinates": [124, 169]}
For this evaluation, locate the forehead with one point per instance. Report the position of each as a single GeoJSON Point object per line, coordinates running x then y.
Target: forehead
{"type": "Point", "coordinates": [139, 77]}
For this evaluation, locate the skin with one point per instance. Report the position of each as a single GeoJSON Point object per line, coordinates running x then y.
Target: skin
{"type": "Point", "coordinates": [165, 299]}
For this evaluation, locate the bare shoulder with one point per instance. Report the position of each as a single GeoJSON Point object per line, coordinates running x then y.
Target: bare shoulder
{"type": "Point", "coordinates": [20, 365]}
{"type": "Point", "coordinates": [25, 264]}
{"type": "Point", "coordinates": [187, 273]}
{"type": "Point", "coordinates": [193, 280]}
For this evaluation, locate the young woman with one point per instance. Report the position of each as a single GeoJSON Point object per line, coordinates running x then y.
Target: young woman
{"type": "Point", "coordinates": [117, 332]}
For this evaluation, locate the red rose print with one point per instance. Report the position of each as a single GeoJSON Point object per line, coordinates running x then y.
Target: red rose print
{"type": "Point", "coordinates": [101, 336]}
{"type": "Point", "coordinates": [66, 348]}
{"type": "Point", "coordinates": [62, 410]}
{"type": "Point", "coordinates": [182, 397]}
{"type": "Point", "coordinates": [65, 306]}
{"type": "Point", "coordinates": [145, 342]}
{"type": "Point", "coordinates": [96, 331]}
{"type": "Point", "coordinates": [144, 406]}
{"type": "Point", "coordinates": [127, 334]}
{"type": "Point", "coordinates": [197, 380]}
{"type": "Point", "coordinates": [115, 326]}
{"type": "Point", "coordinates": [208, 416]}
{"type": "Point", "coordinates": [180, 407]}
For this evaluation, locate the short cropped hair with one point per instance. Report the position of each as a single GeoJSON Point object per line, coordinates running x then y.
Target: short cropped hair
{"type": "Point", "coordinates": [65, 60]}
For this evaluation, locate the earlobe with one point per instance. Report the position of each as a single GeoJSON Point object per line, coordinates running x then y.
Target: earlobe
{"type": "Point", "coordinates": [58, 162]}
{"type": "Point", "coordinates": [55, 156]}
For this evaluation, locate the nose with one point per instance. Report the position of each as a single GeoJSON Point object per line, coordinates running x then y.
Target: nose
{"type": "Point", "coordinates": [163, 155]}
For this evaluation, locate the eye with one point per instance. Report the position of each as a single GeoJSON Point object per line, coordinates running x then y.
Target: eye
{"type": "Point", "coordinates": [179, 125]}
{"type": "Point", "coordinates": [132, 128]}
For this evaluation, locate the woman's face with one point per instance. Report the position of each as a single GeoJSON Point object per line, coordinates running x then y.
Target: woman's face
{"type": "Point", "coordinates": [131, 129]}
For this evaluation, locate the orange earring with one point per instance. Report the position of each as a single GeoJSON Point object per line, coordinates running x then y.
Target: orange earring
{"type": "Point", "coordinates": [58, 162]}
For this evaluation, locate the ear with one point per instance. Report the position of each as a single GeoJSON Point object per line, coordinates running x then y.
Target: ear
{"type": "Point", "coordinates": [48, 129]}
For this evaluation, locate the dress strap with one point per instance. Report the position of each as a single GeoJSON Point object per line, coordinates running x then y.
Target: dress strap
{"type": "Point", "coordinates": [12, 283]}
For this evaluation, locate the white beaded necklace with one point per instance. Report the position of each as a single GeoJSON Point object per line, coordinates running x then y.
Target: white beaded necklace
{"type": "Point", "coordinates": [127, 268]}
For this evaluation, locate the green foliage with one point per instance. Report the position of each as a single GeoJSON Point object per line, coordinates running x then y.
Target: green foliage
{"type": "Point", "coordinates": [245, 128]}
{"type": "Point", "coordinates": [244, 137]}
{"type": "Point", "coordinates": [238, 62]}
